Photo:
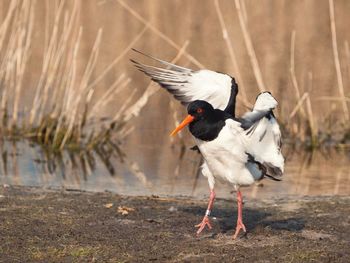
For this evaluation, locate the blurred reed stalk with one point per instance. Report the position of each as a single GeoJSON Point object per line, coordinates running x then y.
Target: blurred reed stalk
{"type": "Point", "coordinates": [250, 48]}
{"type": "Point", "coordinates": [158, 32]}
{"type": "Point", "coordinates": [305, 125]}
{"type": "Point", "coordinates": [307, 118]}
{"type": "Point", "coordinates": [63, 111]}
{"type": "Point", "coordinates": [292, 72]}
{"type": "Point", "coordinates": [231, 52]}
{"type": "Point", "coordinates": [336, 60]}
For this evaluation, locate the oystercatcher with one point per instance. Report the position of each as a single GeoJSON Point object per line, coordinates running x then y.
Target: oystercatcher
{"type": "Point", "coordinates": [236, 150]}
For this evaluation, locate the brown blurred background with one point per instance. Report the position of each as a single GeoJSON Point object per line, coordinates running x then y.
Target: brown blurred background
{"type": "Point", "coordinates": [161, 28]}
{"type": "Point", "coordinates": [298, 50]}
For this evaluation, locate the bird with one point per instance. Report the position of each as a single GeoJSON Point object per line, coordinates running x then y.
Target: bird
{"type": "Point", "coordinates": [237, 150]}
{"type": "Point", "coordinates": [228, 146]}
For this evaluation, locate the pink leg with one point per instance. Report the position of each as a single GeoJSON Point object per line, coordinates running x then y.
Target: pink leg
{"type": "Point", "coordinates": [206, 221]}
{"type": "Point", "coordinates": [240, 224]}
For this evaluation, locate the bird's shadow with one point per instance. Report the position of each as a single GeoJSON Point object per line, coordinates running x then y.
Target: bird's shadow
{"type": "Point", "coordinates": [293, 224]}
{"type": "Point", "coordinates": [254, 219]}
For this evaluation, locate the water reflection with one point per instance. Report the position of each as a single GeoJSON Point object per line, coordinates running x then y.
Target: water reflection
{"type": "Point", "coordinates": [170, 171]}
{"type": "Point", "coordinates": [104, 168]}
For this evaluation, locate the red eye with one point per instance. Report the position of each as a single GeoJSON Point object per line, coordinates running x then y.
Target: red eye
{"type": "Point", "coordinates": [199, 110]}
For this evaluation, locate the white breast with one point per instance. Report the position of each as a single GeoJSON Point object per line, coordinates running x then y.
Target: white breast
{"type": "Point", "coordinates": [225, 156]}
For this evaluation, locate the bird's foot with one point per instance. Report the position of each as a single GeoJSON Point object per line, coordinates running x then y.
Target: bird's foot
{"type": "Point", "coordinates": [205, 222]}
{"type": "Point", "coordinates": [239, 226]}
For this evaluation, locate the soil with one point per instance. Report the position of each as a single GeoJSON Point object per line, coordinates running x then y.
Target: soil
{"type": "Point", "coordinates": [41, 225]}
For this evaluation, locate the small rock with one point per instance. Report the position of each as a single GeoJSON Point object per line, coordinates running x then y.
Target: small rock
{"type": "Point", "coordinates": [124, 210]}
{"type": "Point", "coordinates": [172, 209]}
{"type": "Point", "coordinates": [109, 205]}
{"type": "Point", "coordinates": [151, 220]}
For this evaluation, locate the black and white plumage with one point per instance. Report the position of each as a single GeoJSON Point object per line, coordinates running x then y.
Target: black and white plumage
{"type": "Point", "coordinates": [244, 150]}
{"type": "Point", "coordinates": [232, 148]}
{"type": "Point", "coordinates": [265, 136]}
{"type": "Point", "coordinates": [187, 85]}
{"type": "Point", "coordinates": [236, 150]}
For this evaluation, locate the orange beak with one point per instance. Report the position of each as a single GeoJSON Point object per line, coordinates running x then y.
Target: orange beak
{"type": "Point", "coordinates": [186, 121]}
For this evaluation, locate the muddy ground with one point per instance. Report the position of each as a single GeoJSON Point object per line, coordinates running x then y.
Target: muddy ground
{"type": "Point", "coordinates": [39, 225]}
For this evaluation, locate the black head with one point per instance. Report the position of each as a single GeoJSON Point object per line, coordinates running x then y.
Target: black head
{"type": "Point", "coordinates": [200, 109]}
{"type": "Point", "coordinates": [204, 121]}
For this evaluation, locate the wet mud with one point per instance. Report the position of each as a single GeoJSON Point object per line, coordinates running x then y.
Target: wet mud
{"type": "Point", "coordinates": [45, 225]}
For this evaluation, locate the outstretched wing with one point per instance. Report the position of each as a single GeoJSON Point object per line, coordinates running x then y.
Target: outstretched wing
{"type": "Point", "coordinates": [264, 135]}
{"type": "Point", "coordinates": [187, 85]}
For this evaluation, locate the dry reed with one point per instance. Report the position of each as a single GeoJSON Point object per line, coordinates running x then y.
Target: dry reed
{"type": "Point", "coordinates": [231, 52]}
{"type": "Point", "coordinates": [337, 61]}
{"type": "Point", "coordinates": [292, 72]}
{"type": "Point", "coordinates": [250, 48]}
{"type": "Point", "coordinates": [63, 113]}
{"type": "Point", "coordinates": [158, 32]}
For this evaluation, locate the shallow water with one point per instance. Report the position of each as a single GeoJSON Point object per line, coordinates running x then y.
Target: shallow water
{"type": "Point", "coordinates": [165, 169]}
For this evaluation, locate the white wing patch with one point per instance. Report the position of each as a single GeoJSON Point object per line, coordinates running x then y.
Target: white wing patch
{"type": "Point", "coordinates": [265, 101]}
{"type": "Point", "coordinates": [187, 85]}
{"type": "Point", "coordinates": [264, 138]}
{"type": "Point", "coordinates": [210, 86]}
{"type": "Point", "coordinates": [264, 143]}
